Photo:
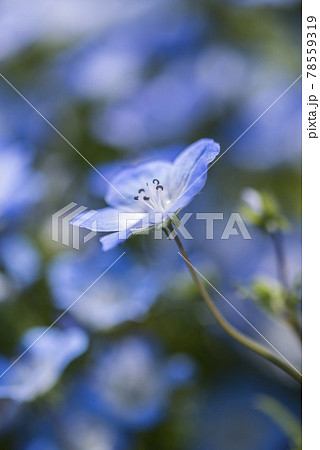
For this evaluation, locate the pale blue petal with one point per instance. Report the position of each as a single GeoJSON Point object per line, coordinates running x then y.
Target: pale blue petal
{"type": "Point", "coordinates": [20, 258]}
{"type": "Point", "coordinates": [190, 171]}
{"type": "Point", "coordinates": [49, 353]}
{"type": "Point", "coordinates": [106, 219]}
{"type": "Point", "coordinates": [112, 240]}
{"type": "Point", "coordinates": [111, 301]}
{"type": "Point", "coordinates": [129, 180]}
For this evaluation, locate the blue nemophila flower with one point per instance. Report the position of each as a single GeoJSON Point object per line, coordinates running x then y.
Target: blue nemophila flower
{"type": "Point", "coordinates": [150, 194]}
{"type": "Point", "coordinates": [72, 424]}
{"type": "Point", "coordinates": [267, 134]}
{"type": "Point", "coordinates": [20, 186]}
{"type": "Point", "coordinates": [110, 302]}
{"type": "Point", "coordinates": [20, 260]}
{"type": "Point", "coordinates": [42, 365]}
{"type": "Point", "coordinates": [112, 64]}
{"type": "Point", "coordinates": [79, 424]}
{"type": "Point", "coordinates": [131, 381]}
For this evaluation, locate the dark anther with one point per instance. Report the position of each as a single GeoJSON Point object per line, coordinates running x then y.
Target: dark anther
{"type": "Point", "coordinates": [159, 187]}
{"type": "Point", "coordinates": [155, 181]}
{"type": "Point", "coordinates": [146, 198]}
{"type": "Point", "coordinates": [141, 190]}
{"type": "Point", "coordinates": [136, 197]}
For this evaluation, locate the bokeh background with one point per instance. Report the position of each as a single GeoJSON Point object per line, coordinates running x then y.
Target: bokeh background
{"type": "Point", "coordinates": [138, 362]}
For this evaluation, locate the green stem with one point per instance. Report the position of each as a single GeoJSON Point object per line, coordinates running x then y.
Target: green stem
{"type": "Point", "coordinates": [238, 336]}
{"type": "Point", "coordinates": [290, 315]}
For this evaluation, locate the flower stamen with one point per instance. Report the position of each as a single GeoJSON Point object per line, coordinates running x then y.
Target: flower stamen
{"type": "Point", "coordinates": [153, 198]}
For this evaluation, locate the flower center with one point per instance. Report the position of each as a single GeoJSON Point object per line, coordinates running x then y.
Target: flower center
{"type": "Point", "coordinates": [153, 196]}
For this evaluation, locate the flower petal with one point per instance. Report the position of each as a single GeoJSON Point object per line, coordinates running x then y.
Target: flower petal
{"type": "Point", "coordinates": [106, 219]}
{"type": "Point", "coordinates": [132, 178]}
{"type": "Point", "coordinates": [113, 239]}
{"type": "Point", "coordinates": [189, 172]}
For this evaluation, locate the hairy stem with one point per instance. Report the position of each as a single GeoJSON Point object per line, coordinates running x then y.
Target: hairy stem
{"type": "Point", "coordinates": [238, 336]}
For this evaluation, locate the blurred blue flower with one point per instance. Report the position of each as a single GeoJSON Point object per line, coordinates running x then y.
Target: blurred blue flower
{"type": "Point", "coordinates": [160, 186]}
{"type": "Point", "coordinates": [8, 408]}
{"type": "Point", "coordinates": [41, 443]}
{"type": "Point", "coordinates": [166, 107]}
{"type": "Point", "coordinates": [84, 430]}
{"type": "Point", "coordinates": [197, 87]}
{"type": "Point", "coordinates": [40, 368]}
{"type": "Point", "coordinates": [73, 425]}
{"type": "Point", "coordinates": [20, 258]}
{"type": "Point", "coordinates": [20, 186]}
{"type": "Point", "coordinates": [275, 138]}
{"type": "Point", "coordinates": [131, 381]}
{"type": "Point", "coordinates": [110, 301]}
{"type": "Point", "coordinates": [113, 64]}
{"type": "Point", "coordinates": [48, 22]}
